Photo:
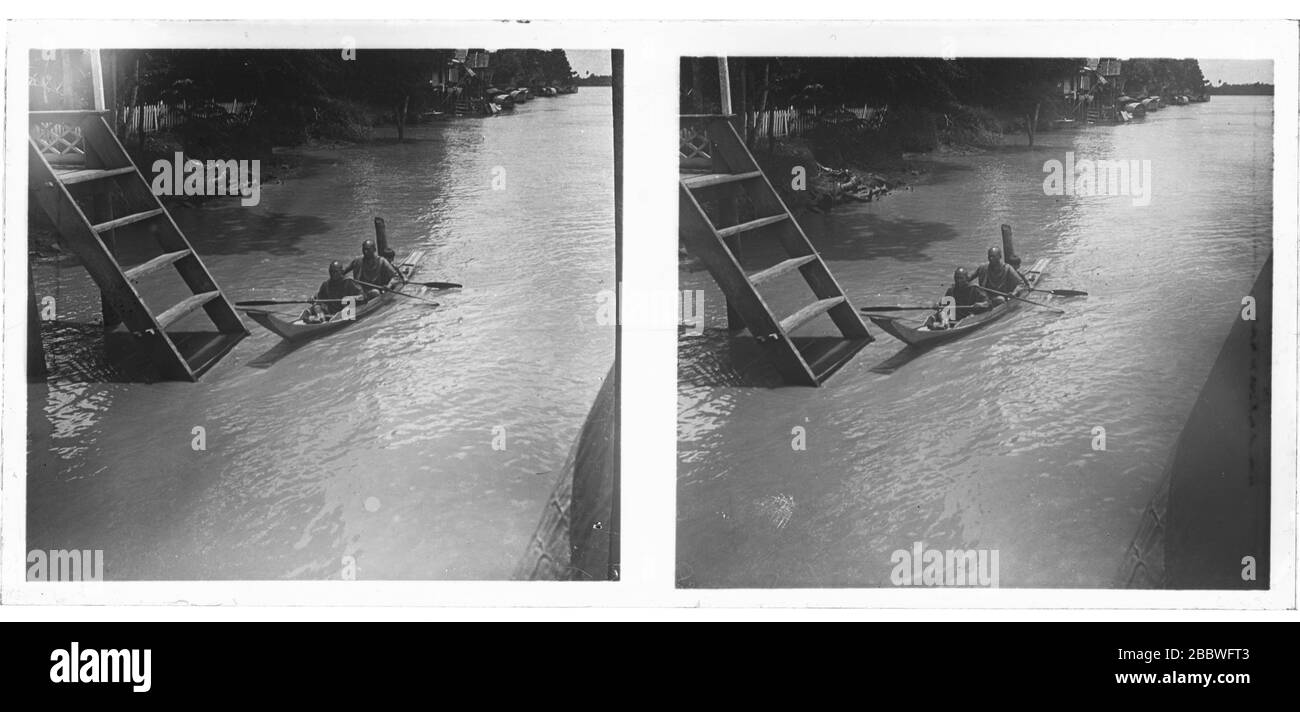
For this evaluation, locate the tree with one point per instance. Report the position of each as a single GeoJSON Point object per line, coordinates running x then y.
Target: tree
{"type": "Point", "coordinates": [555, 66]}
{"type": "Point", "coordinates": [393, 77]}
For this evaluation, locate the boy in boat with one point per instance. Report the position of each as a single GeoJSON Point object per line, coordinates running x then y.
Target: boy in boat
{"type": "Point", "coordinates": [967, 298]}
{"type": "Point", "coordinates": [329, 298]}
{"type": "Point", "coordinates": [998, 276]}
{"type": "Point", "coordinates": [372, 269]}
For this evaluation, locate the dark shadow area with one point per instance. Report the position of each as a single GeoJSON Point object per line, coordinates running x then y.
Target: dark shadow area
{"type": "Point", "coordinates": [234, 232]}
{"type": "Point", "coordinates": [84, 353]}
{"type": "Point", "coordinates": [1218, 524]}
{"type": "Point", "coordinates": [898, 360]}
{"type": "Point", "coordinates": [718, 359]}
{"type": "Point", "coordinates": [901, 239]}
{"type": "Point", "coordinates": [272, 356]}
{"type": "Point", "coordinates": [937, 172]}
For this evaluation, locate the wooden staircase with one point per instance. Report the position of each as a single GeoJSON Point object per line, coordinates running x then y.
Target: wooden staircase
{"type": "Point", "coordinates": [715, 239]}
{"type": "Point", "coordinates": [78, 172]}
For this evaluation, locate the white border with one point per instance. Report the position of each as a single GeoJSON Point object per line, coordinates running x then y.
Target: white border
{"type": "Point", "coordinates": [649, 367]}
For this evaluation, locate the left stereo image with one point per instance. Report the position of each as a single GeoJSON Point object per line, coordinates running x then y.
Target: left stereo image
{"type": "Point", "coordinates": [322, 314]}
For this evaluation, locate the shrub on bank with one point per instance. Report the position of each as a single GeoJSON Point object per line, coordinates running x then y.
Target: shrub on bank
{"type": "Point", "coordinates": [970, 126]}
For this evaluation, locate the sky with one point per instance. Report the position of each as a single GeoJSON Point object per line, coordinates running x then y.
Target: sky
{"type": "Point", "coordinates": [1237, 71]}
{"type": "Point", "coordinates": [582, 61]}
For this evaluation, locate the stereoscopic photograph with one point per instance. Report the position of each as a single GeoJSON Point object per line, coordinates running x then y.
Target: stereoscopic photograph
{"type": "Point", "coordinates": [975, 322]}
{"type": "Point", "coordinates": [321, 314]}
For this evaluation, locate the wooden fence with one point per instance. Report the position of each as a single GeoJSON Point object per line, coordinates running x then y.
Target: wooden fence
{"type": "Point", "coordinates": [776, 123]}
{"type": "Point", "coordinates": [165, 117]}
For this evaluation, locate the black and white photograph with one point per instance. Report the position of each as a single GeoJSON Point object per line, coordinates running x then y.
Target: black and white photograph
{"type": "Point", "coordinates": [987, 318]}
{"type": "Point", "coordinates": [336, 312]}
{"type": "Point", "coordinates": [975, 321]}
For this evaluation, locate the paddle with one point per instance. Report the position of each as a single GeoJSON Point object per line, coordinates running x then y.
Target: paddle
{"type": "Point", "coordinates": [897, 308]}
{"type": "Point", "coordinates": [394, 291]}
{"type": "Point", "coordinates": [1020, 299]}
{"type": "Point", "coordinates": [935, 307]}
{"type": "Point", "coordinates": [437, 285]}
{"type": "Point", "coordinates": [269, 302]}
{"type": "Point", "coordinates": [1062, 292]}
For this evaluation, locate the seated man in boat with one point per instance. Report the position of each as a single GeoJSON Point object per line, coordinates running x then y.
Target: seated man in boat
{"type": "Point", "coordinates": [967, 298]}
{"type": "Point", "coordinates": [329, 298]}
{"type": "Point", "coordinates": [998, 276]}
{"type": "Point", "coordinates": [371, 268]}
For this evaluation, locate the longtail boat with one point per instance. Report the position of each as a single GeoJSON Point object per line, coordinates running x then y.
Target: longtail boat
{"type": "Point", "coordinates": [298, 331]}
{"type": "Point", "coordinates": [924, 336]}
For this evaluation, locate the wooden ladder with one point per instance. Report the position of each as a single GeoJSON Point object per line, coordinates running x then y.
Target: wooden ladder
{"type": "Point", "coordinates": [75, 160]}
{"type": "Point", "coordinates": [735, 173]}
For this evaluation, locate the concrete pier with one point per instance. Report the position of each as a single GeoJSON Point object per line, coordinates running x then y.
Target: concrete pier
{"type": "Point", "coordinates": [1207, 527]}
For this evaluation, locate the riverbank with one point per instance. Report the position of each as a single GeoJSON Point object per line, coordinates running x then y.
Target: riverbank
{"type": "Point", "coordinates": [806, 185]}
{"type": "Point", "coordinates": [845, 160]}
{"type": "Point", "coordinates": [283, 145]}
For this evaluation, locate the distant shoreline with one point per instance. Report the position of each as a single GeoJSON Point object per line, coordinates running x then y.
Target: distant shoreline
{"type": "Point", "coordinates": [1256, 89]}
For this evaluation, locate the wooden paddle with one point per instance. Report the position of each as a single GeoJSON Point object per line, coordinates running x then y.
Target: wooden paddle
{"type": "Point", "coordinates": [437, 285]}
{"type": "Point", "coordinates": [897, 308]}
{"type": "Point", "coordinates": [394, 291]}
{"type": "Point", "coordinates": [1020, 299]}
{"type": "Point", "coordinates": [1061, 292]}
{"type": "Point", "coordinates": [272, 302]}
{"type": "Point", "coordinates": [935, 307]}
{"type": "Point", "coordinates": [269, 302]}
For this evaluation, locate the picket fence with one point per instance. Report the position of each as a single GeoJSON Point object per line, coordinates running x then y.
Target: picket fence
{"type": "Point", "coordinates": [165, 117]}
{"type": "Point", "coordinates": [775, 123]}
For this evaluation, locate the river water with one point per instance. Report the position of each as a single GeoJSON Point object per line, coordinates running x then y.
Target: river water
{"type": "Point", "coordinates": [986, 442]}
{"type": "Point", "coordinates": [422, 442]}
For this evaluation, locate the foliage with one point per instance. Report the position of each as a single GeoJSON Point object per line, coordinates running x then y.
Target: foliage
{"type": "Point", "coordinates": [525, 67]}
{"type": "Point", "coordinates": [1256, 89]}
{"type": "Point", "coordinates": [1163, 76]}
{"type": "Point", "coordinates": [302, 94]}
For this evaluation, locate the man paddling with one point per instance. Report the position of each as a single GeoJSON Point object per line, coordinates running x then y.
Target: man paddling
{"type": "Point", "coordinates": [967, 298]}
{"type": "Point", "coordinates": [998, 276]}
{"type": "Point", "coordinates": [372, 268]}
{"type": "Point", "coordinates": [329, 298]}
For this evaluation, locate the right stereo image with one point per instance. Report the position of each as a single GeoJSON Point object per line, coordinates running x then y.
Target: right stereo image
{"type": "Point", "coordinates": [975, 322]}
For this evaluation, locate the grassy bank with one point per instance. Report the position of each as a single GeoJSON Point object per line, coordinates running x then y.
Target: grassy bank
{"type": "Point", "coordinates": [219, 136]}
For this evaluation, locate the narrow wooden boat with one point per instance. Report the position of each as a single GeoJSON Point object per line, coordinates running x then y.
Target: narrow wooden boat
{"type": "Point", "coordinates": [298, 331]}
{"type": "Point", "coordinates": [924, 336]}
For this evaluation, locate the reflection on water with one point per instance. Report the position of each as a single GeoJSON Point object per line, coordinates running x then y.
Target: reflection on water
{"type": "Point", "coordinates": [375, 443]}
{"type": "Point", "coordinates": [985, 442]}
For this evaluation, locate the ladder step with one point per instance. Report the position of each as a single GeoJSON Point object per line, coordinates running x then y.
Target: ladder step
{"type": "Point", "coordinates": [122, 222]}
{"type": "Point", "coordinates": [178, 312]}
{"type": "Point", "coordinates": [202, 351]}
{"type": "Point", "coordinates": [825, 355]}
{"type": "Point", "coordinates": [752, 225]}
{"type": "Point", "coordinates": [135, 273]}
{"type": "Point", "coordinates": [72, 177]}
{"type": "Point", "coordinates": [780, 268]}
{"type": "Point", "coordinates": [808, 313]}
{"type": "Point", "coordinates": [710, 180]}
